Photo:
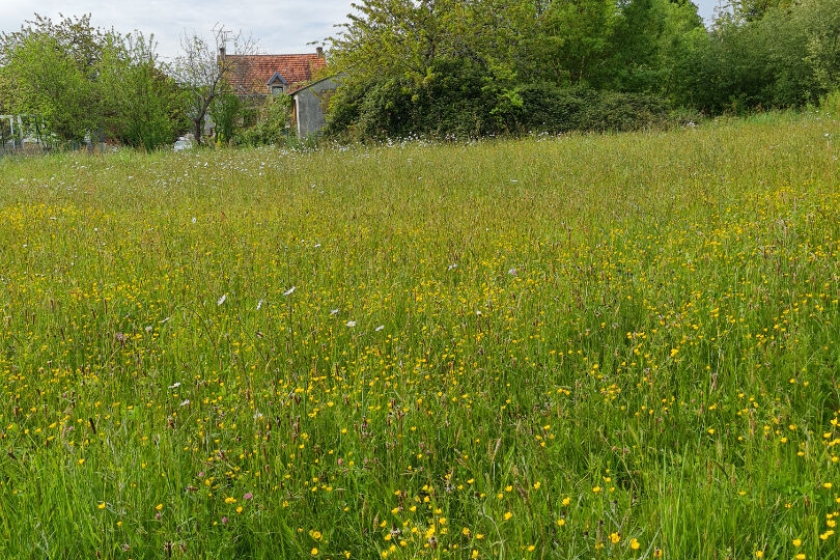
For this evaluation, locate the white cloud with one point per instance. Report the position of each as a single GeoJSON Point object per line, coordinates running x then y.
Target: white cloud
{"type": "Point", "coordinates": [279, 26]}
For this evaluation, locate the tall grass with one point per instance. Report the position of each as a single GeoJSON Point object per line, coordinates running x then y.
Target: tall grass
{"type": "Point", "coordinates": [578, 347]}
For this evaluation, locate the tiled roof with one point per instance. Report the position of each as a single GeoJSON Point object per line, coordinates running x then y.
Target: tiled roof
{"type": "Point", "coordinates": [251, 73]}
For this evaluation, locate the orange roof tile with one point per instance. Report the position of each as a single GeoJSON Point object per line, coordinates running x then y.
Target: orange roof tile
{"type": "Point", "coordinates": [251, 73]}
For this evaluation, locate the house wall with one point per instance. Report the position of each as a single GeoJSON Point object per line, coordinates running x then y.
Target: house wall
{"type": "Point", "coordinates": [310, 105]}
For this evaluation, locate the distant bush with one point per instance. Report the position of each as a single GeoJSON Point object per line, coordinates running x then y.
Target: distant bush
{"type": "Point", "coordinates": [619, 112]}
{"type": "Point", "coordinates": [457, 98]}
{"type": "Point", "coordinates": [467, 105]}
{"type": "Point", "coordinates": [272, 124]}
{"type": "Point", "coordinates": [547, 107]}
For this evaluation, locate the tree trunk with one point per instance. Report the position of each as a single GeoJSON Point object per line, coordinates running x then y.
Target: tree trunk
{"type": "Point", "coordinates": [197, 129]}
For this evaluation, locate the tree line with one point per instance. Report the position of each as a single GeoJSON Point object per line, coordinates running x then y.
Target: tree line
{"type": "Point", "coordinates": [83, 82]}
{"type": "Point", "coordinates": [488, 66]}
{"type": "Point", "coordinates": [442, 68]}
{"type": "Point", "coordinates": [78, 79]}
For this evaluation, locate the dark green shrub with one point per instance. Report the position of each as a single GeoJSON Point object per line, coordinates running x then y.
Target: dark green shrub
{"type": "Point", "coordinates": [622, 112]}
{"type": "Point", "coordinates": [272, 126]}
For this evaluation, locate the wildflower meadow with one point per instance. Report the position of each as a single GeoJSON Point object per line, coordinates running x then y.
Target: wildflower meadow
{"type": "Point", "coordinates": [616, 346]}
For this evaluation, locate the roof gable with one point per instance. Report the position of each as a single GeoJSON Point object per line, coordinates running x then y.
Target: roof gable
{"type": "Point", "coordinates": [277, 79]}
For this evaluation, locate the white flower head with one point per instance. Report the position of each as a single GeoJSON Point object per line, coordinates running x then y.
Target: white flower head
{"type": "Point", "coordinates": [222, 299]}
{"type": "Point", "coordinates": [290, 291]}
{"type": "Point", "coordinates": [259, 304]}
{"type": "Point", "coordinates": [379, 328]}
{"type": "Point", "coordinates": [351, 324]}
{"type": "Point", "coordinates": [175, 385]}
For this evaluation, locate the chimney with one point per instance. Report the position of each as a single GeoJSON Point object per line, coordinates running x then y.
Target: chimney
{"type": "Point", "coordinates": [222, 52]}
{"type": "Point", "coordinates": [319, 51]}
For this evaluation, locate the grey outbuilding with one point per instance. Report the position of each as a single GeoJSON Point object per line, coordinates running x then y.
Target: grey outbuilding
{"type": "Point", "coordinates": [310, 105]}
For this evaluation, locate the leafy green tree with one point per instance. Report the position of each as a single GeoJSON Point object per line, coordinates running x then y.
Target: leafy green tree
{"type": "Point", "coordinates": [413, 65]}
{"type": "Point", "coordinates": [141, 106]}
{"type": "Point", "coordinates": [48, 69]}
{"type": "Point", "coordinates": [822, 20]}
{"type": "Point", "coordinates": [575, 40]}
{"type": "Point", "coordinates": [225, 112]}
{"type": "Point", "coordinates": [84, 82]}
{"type": "Point", "coordinates": [744, 11]}
{"type": "Point", "coordinates": [788, 57]}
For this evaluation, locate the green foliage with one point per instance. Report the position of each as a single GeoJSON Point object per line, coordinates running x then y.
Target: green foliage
{"type": "Point", "coordinates": [754, 10]}
{"type": "Point", "coordinates": [48, 70]}
{"type": "Point", "coordinates": [455, 104]}
{"type": "Point", "coordinates": [272, 124]}
{"type": "Point", "coordinates": [729, 70]}
{"type": "Point", "coordinates": [142, 106]}
{"type": "Point", "coordinates": [417, 69]}
{"type": "Point", "coordinates": [442, 68]}
{"type": "Point", "coordinates": [549, 108]}
{"type": "Point", "coordinates": [456, 97]}
{"type": "Point", "coordinates": [831, 102]}
{"type": "Point", "coordinates": [621, 112]}
{"type": "Point", "coordinates": [225, 111]}
{"type": "Point", "coordinates": [822, 21]}
{"type": "Point", "coordinates": [438, 67]}
{"type": "Point", "coordinates": [786, 58]}
{"type": "Point", "coordinates": [576, 39]}
{"type": "Point", "coordinates": [84, 82]}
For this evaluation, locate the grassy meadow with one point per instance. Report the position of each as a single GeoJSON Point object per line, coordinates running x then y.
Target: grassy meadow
{"type": "Point", "coordinates": [579, 347]}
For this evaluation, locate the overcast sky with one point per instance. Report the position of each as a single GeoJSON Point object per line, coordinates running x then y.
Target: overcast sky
{"type": "Point", "coordinates": [280, 26]}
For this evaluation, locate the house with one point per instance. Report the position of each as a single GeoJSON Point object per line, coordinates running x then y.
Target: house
{"type": "Point", "coordinates": [260, 75]}
{"type": "Point", "coordinates": [310, 105]}
{"type": "Point", "coordinates": [254, 78]}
